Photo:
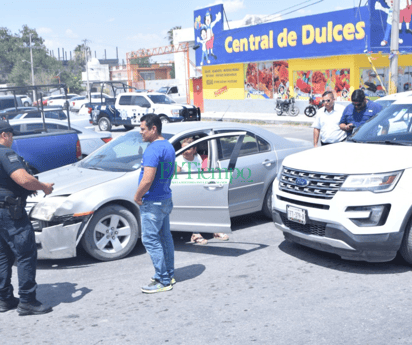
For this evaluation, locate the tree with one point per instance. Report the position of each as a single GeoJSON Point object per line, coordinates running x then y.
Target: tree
{"type": "Point", "coordinates": [169, 36]}
{"type": "Point", "coordinates": [141, 61]}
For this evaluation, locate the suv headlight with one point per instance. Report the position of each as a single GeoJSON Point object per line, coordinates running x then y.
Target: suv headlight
{"type": "Point", "coordinates": [175, 112]}
{"type": "Point", "coordinates": [376, 183]}
{"type": "Point", "coordinates": [44, 210]}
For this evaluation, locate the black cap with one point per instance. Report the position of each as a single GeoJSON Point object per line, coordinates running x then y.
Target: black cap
{"type": "Point", "coordinates": [358, 96]}
{"type": "Point", "coordinates": [5, 127]}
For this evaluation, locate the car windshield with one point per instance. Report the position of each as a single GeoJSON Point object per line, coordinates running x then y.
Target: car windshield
{"type": "Point", "coordinates": [385, 103]}
{"type": "Point", "coordinates": [392, 126]}
{"type": "Point", "coordinates": [123, 154]}
{"type": "Point", "coordinates": [160, 99]}
{"type": "Point", "coordinates": [163, 90]}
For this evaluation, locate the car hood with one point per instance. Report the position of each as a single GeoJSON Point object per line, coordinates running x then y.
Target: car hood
{"type": "Point", "coordinates": [72, 178]}
{"type": "Point", "coordinates": [352, 158]}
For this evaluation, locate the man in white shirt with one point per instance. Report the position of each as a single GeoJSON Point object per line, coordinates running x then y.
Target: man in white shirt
{"type": "Point", "coordinates": [326, 125]}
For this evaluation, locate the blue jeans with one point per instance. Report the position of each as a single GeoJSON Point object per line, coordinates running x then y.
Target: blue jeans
{"type": "Point", "coordinates": [17, 241]}
{"type": "Point", "coordinates": [157, 238]}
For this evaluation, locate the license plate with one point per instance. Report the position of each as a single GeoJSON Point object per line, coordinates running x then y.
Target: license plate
{"type": "Point", "coordinates": [296, 214]}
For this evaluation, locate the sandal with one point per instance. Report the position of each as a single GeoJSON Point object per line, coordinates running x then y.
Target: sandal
{"type": "Point", "coordinates": [221, 236]}
{"type": "Point", "coordinates": [198, 239]}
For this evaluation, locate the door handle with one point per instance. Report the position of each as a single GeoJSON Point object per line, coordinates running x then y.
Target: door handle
{"type": "Point", "coordinates": [213, 185]}
{"type": "Point", "coordinates": [268, 162]}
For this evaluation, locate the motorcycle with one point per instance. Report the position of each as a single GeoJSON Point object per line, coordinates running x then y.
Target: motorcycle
{"type": "Point", "coordinates": [286, 106]}
{"type": "Point", "coordinates": [314, 105]}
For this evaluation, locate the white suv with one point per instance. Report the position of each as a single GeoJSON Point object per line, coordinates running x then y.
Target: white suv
{"type": "Point", "coordinates": [353, 198]}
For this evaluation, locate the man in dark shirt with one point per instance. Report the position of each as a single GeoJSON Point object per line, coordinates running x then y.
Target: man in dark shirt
{"type": "Point", "coordinates": [357, 113]}
{"type": "Point", "coordinates": [17, 240]}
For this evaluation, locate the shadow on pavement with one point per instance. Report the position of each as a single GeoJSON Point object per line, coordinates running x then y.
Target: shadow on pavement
{"type": "Point", "coordinates": [189, 272]}
{"type": "Point", "coordinates": [249, 220]}
{"type": "Point", "coordinates": [335, 262]}
{"type": "Point", "coordinates": [54, 294]}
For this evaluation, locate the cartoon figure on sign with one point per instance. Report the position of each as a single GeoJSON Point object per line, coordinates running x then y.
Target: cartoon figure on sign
{"type": "Point", "coordinates": [405, 17]}
{"type": "Point", "coordinates": [208, 25]}
{"type": "Point", "coordinates": [203, 41]}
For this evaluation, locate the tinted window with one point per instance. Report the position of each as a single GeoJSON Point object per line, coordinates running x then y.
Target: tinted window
{"type": "Point", "coordinates": [226, 145]}
{"type": "Point", "coordinates": [32, 115]}
{"type": "Point", "coordinates": [173, 90]}
{"type": "Point", "coordinates": [262, 144]}
{"type": "Point", "coordinates": [141, 101]}
{"type": "Point", "coordinates": [6, 103]}
{"type": "Point", "coordinates": [125, 100]}
{"type": "Point", "coordinates": [160, 99]}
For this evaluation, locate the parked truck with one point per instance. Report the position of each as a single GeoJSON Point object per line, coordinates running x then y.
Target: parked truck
{"type": "Point", "coordinates": [127, 108]}
{"type": "Point", "coordinates": [45, 149]}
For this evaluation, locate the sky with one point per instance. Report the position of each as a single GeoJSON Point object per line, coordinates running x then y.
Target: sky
{"type": "Point", "coordinates": [131, 25]}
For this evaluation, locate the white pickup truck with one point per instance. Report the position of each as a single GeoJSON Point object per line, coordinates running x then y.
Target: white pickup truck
{"type": "Point", "coordinates": [130, 107]}
{"type": "Point", "coordinates": [353, 198]}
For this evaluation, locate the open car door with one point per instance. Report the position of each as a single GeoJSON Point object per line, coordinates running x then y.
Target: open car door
{"type": "Point", "coordinates": [201, 199]}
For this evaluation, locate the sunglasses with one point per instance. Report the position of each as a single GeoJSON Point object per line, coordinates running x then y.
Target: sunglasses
{"type": "Point", "coordinates": [357, 104]}
{"type": "Point", "coordinates": [327, 100]}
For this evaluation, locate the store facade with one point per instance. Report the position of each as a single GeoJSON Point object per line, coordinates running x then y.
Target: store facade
{"type": "Point", "coordinates": [338, 51]}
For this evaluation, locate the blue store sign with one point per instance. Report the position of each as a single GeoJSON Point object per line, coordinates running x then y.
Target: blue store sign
{"type": "Point", "coordinates": [334, 33]}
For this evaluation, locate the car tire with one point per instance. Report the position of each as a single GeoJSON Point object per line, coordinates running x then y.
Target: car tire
{"type": "Point", "coordinates": [104, 124]}
{"type": "Point", "coordinates": [267, 203]}
{"type": "Point", "coordinates": [101, 241]}
{"type": "Point", "coordinates": [164, 120]}
{"type": "Point", "coordinates": [406, 246]}
{"type": "Point", "coordinates": [26, 104]}
{"type": "Point", "coordinates": [128, 128]}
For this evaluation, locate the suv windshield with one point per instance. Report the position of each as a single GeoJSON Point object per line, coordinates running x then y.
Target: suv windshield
{"type": "Point", "coordinates": [392, 125]}
{"type": "Point", "coordinates": [123, 154]}
{"type": "Point", "coordinates": [160, 99]}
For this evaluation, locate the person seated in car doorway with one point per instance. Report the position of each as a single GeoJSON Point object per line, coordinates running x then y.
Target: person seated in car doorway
{"type": "Point", "coordinates": [191, 160]}
{"type": "Point", "coordinates": [357, 113]}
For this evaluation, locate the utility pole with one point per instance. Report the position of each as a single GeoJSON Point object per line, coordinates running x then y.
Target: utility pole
{"type": "Point", "coordinates": [32, 69]}
{"type": "Point", "coordinates": [86, 55]}
{"type": "Point", "coordinates": [393, 67]}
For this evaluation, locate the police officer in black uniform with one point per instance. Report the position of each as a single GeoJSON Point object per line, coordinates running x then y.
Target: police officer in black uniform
{"type": "Point", "coordinates": [17, 240]}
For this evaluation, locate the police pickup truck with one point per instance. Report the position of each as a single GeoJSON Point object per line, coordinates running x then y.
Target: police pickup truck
{"type": "Point", "coordinates": [130, 107]}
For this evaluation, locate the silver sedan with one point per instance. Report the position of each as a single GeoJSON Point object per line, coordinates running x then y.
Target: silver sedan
{"type": "Point", "coordinates": [92, 202]}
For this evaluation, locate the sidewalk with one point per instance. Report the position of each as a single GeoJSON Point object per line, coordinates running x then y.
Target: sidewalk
{"type": "Point", "coordinates": [267, 118]}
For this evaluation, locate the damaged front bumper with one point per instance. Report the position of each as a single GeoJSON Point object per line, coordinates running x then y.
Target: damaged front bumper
{"type": "Point", "coordinates": [58, 241]}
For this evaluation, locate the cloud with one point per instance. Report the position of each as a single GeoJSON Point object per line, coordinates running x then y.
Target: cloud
{"type": "Point", "coordinates": [71, 34]}
{"type": "Point", "coordinates": [44, 31]}
{"type": "Point", "coordinates": [111, 20]}
{"type": "Point", "coordinates": [144, 37]}
{"type": "Point", "coordinates": [304, 12]}
{"type": "Point", "coordinates": [230, 6]}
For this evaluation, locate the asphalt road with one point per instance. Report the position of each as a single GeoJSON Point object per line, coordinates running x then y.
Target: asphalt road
{"type": "Point", "coordinates": [256, 288]}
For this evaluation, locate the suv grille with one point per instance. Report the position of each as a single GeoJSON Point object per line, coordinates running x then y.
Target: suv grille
{"type": "Point", "coordinates": [310, 184]}
{"type": "Point", "coordinates": [312, 228]}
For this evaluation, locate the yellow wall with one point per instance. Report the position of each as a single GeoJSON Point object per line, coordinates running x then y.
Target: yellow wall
{"type": "Point", "coordinates": [223, 81]}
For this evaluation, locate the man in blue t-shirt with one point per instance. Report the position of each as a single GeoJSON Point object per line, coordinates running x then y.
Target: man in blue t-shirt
{"type": "Point", "coordinates": [154, 197]}
{"type": "Point", "coordinates": [357, 113]}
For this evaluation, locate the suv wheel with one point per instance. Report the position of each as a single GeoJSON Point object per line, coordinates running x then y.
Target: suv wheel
{"type": "Point", "coordinates": [164, 119]}
{"type": "Point", "coordinates": [104, 124]}
{"type": "Point", "coordinates": [406, 246]}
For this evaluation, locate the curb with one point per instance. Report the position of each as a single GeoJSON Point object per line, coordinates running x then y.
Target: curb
{"type": "Point", "coordinates": [260, 121]}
